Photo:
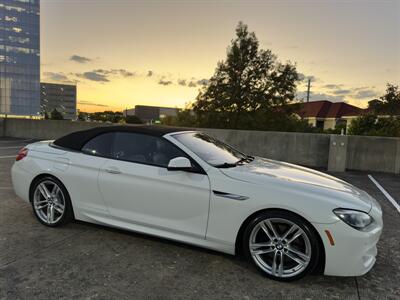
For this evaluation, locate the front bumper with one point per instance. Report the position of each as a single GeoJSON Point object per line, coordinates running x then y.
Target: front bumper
{"type": "Point", "coordinates": [354, 252]}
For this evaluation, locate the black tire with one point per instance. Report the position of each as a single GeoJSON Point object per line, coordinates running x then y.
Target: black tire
{"type": "Point", "coordinates": [67, 215]}
{"type": "Point", "coordinates": [278, 219]}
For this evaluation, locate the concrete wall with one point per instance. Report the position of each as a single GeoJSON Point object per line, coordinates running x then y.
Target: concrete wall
{"type": "Point", "coordinates": [300, 148]}
{"type": "Point", "coordinates": [314, 150]}
{"type": "Point", "coordinates": [373, 153]}
{"type": "Point", "coordinates": [2, 127]}
{"type": "Point", "coordinates": [43, 129]}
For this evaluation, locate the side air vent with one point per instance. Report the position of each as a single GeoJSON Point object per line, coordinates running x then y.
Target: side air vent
{"type": "Point", "coordinates": [230, 196]}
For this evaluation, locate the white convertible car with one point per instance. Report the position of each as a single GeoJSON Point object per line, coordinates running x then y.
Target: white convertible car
{"type": "Point", "coordinates": [187, 186]}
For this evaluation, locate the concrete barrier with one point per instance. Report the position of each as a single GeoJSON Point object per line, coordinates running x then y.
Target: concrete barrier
{"type": "Point", "coordinates": [300, 148]}
{"type": "Point", "coordinates": [336, 153]}
{"type": "Point", "coordinates": [43, 129]}
{"type": "Point", "coordinates": [2, 127]}
{"type": "Point", "coordinates": [371, 153]}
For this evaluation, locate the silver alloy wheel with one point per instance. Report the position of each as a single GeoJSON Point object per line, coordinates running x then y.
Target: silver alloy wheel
{"type": "Point", "coordinates": [49, 202]}
{"type": "Point", "coordinates": [280, 247]}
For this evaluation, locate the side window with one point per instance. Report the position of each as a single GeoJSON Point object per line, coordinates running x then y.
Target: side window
{"type": "Point", "coordinates": [99, 145]}
{"type": "Point", "coordinates": [144, 149]}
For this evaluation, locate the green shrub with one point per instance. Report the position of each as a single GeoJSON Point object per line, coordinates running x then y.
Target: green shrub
{"type": "Point", "coordinates": [373, 125]}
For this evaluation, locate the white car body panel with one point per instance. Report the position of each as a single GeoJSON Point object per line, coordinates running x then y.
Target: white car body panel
{"type": "Point", "coordinates": [83, 174]}
{"type": "Point", "coordinates": [182, 206]}
{"type": "Point", "coordinates": [155, 197]}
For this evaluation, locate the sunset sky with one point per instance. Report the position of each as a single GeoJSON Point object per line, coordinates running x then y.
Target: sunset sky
{"type": "Point", "coordinates": [121, 53]}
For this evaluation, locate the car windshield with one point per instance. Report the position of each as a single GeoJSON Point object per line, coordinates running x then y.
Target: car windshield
{"type": "Point", "coordinates": [211, 150]}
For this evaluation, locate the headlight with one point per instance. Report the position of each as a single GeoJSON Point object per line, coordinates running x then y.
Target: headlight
{"type": "Point", "coordinates": [354, 218]}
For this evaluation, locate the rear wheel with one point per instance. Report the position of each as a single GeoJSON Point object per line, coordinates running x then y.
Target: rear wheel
{"type": "Point", "coordinates": [50, 202]}
{"type": "Point", "coordinates": [282, 245]}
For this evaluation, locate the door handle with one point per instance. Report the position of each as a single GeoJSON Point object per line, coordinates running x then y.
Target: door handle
{"type": "Point", "coordinates": [112, 170]}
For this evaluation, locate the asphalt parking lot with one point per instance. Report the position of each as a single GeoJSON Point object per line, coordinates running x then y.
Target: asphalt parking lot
{"type": "Point", "coordinates": [85, 261]}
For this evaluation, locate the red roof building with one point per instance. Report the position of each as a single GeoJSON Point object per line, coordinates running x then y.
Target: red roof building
{"type": "Point", "coordinates": [326, 115]}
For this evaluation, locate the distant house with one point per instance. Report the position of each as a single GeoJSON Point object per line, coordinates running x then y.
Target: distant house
{"type": "Point", "coordinates": [326, 115]}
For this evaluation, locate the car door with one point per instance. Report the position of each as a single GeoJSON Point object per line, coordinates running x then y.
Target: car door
{"type": "Point", "coordinates": [139, 189]}
{"type": "Point", "coordinates": [83, 173]}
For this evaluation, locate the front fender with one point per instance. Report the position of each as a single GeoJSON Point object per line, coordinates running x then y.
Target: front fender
{"type": "Point", "coordinates": [227, 214]}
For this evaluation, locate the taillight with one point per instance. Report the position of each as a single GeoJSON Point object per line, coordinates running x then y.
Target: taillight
{"type": "Point", "coordinates": [21, 154]}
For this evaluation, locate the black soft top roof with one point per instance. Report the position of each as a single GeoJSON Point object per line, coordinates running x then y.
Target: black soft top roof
{"type": "Point", "coordinates": [78, 139]}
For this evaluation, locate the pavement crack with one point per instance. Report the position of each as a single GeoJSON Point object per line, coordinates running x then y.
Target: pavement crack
{"type": "Point", "coordinates": [358, 290]}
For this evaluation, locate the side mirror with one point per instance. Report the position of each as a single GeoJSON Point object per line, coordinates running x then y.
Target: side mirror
{"type": "Point", "coordinates": [179, 164]}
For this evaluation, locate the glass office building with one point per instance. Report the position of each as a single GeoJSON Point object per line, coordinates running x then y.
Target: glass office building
{"type": "Point", "coordinates": [19, 57]}
{"type": "Point", "coordinates": [60, 97]}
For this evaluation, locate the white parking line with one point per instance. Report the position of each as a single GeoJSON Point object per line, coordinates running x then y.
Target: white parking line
{"type": "Point", "coordinates": [17, 147]}
{"type": "Point", "coordinates": [8, 156]}
{"type": "Point", "coordinates": [15, 141]}
{"type": "Point", "coordinates": [384, 192]}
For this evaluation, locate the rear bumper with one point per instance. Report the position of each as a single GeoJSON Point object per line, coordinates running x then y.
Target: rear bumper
{"type": "Point", "coordinates": [21, 180]}
{"type": "Point", "coordinates": [354, 252]}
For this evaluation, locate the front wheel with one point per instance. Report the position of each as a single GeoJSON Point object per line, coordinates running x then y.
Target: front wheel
{"type": "Point", "coordinates": [281, 244]}
{"type": "Point", "coordinates": [50, 202]}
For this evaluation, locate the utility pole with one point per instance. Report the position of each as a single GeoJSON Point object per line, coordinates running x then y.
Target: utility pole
{"type": "Point", "coordinates": [308, 89]}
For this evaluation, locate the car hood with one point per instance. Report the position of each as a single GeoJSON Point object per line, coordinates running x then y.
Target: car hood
{"type": "Point", "coordinates": [257, 170]}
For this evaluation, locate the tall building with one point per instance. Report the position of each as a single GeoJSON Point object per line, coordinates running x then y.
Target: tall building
{"type": "Point", "coordinates": [20, 57]}
{"type": "Point", "coordinates": [61, 97]}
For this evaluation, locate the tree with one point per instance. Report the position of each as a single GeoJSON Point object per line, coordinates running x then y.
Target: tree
{"type": "Point", "coordinates": [388, 104]}
{"type": "Point", "coordinates": [82, 116]}
{"type": "Point", "coordinates": [362, 125]}
{"type": "Point", "coordinates": [339, 128]}
{"type": "Point", "coordinates": [388, 127]}
{"type": "Point", "coordinates": [250, 86]}
{"type": "Point", "coordinates": [133, 120]}
{"type": "Point", "coordinates": [185, 118]}
{"type": "Point", "coordinates": [372, 125]}
{"type": "Point", "coordinates": [56, 115]}
{"type": "Point", "coordinates": [107, 116]}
